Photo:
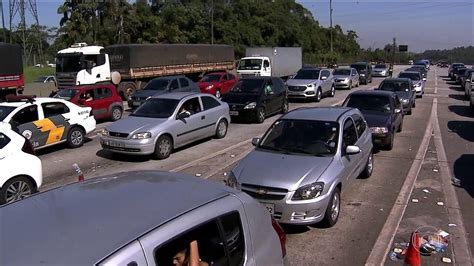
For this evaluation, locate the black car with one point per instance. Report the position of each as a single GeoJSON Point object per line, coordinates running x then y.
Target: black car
{"type": "Point", "coordinates": [365, 71]}
{"type": "Point", "coordinates": [383, 112]}
{"type": "Point", "coordinates": [452, 68]}
{"type": "Point", "coordinates": [465, 77]}
{"type": "Point", "coordinates": [256, 98]}
{"type": "Point", "coordinates": [402, 87]}
{"type": "Point", "coordinates": [458, 74]}
{"type": "Point", "coordinates": [420, 69]}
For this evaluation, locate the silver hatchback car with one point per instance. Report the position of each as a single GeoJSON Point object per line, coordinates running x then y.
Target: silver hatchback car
{"type": "Point", "coordinates": [140, 218]}
{"type": "Point", "coordinates": [299, 166]}
{"type": "Point", "coordinates": [346, 78]}
{"type": "Point", "coordinates": [166, 122]}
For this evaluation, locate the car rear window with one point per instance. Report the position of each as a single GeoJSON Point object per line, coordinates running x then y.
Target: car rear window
{"type": "Point", "coordinates": [209, 102]}
{"type": "Point", "coordinates": [4, 140]}
{"type": "Point", "coordinates": [372, 103]}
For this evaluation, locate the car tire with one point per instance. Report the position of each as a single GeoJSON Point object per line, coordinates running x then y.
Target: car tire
{"type": "Point", "coordinates": [163, 147]}
{"type": "Point", "coordinates": [319, 95]}
{"type": "Point", "coordinates": [369, 166]}
{"type": "Point", "coordinates": [332, 92]}
{"type": "Point", "coordinates": [409, 112]}
{"type": "Point", "coordinates": [218, 94]}
{"type": "Point", "coordinates": [116, 113]}
{"type": "Point", "coordinates": [19, 182]}
{"type": "Point", "coordinates": [414, 104]}
{"type": "Point", "coordinates": [350, 85]}
{"type": "Point", "coordinates": [333, 209]}
{"type": "Point", "coordinates": [389, 146]}
{"type": "Point", "coordinates": [285, 107]}
{"type": "Point", "coordinates": [260, 118]}
{"type": "Point", "coordinates": [221, 129]}
{"type": "Point", "coordinates": [75, 137]}
{"type": "Point", "coordinates": [400, 127]}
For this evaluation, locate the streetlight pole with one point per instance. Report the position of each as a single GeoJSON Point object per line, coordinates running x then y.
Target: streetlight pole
{"type": "Point", "coordinates": [330, 22]}
{"type": "Point", "coordinates": [212, 21]}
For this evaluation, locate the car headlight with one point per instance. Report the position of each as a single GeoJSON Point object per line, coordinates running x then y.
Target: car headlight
{"type": "Point", "coordinates": [379, 130]}
{"type": "Point", "coordinates": [362, 75]}
{"type": "Point", "coordinates": [232, 181]}
{"type": "Point", "coordinates": [251, 105]}
{"type": "Point", "coordinates": [310, 85]}
{"type": "Point", "coordinates": [346, 80]}
{"type": "Point", "coordinates": [104, 132]}
{"type": "Point", "coordinates": [142, 135]}
{"type": "Point", "coordinates": [405, 101]}
{"type": "Point", "coordinates": [308, 192]}
{"type": "Point", "coordinates": [210, 87]}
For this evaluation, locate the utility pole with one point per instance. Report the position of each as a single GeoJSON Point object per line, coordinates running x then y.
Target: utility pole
{"type": "Point", "coordinates": [212, 21]}
{"type": "Point", "coordinates": [3, 23]}
{"type": "Point", "coordinates": [393, 55]}
{"type": "Point", "coordinates": [330, 22]}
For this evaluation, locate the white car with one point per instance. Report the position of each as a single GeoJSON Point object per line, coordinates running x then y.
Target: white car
{"type": "Point", "coordinates": [48, 121]}
{"type": "Point", "coordinates": [21, 173]}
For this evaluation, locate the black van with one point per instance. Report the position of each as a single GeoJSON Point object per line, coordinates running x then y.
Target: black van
{"type": "Point", "coordinates": [257, 97]}
{"type": "Point", "coordinates": [365, 72]}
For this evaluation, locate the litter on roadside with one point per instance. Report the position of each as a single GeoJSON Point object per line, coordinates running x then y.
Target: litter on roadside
{"type": "Point", "coordinates": [426, 191]}
{"type": "Point", "coordinates": [435, 170]}
{"type": "Point", "coordinates": [446, 260]}
{"type": "Point", "coordinates": [232, 155]}
{"type": "Point", "coordinates": [434, 243]}
{"type": "Point", "coordinates": [414, 200]}
{"type": "Point", "coordinates": [452, 225]}
{"type": "Point", "coordinates": [440, 203]}
{"type": "Point", "coordinates": [198, 175]}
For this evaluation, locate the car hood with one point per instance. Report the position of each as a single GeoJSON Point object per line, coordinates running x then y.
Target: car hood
{"type": "Point", "coordinates": [380, 69]}
{"type": "Point", "coordinates": [301, 82]}
{"type": "Point", "coordinates": [134, 124]}
{"type": "Point", "coordinates": [341, 76]}
{"type": "Point", "coordinates": [376, 119]}
{"type": "Point", "coordinates": [240, 98]}
{"type": "Point", "coordinates": [304, 169]}
{"type": "Point", "coordinates": [148, 93]}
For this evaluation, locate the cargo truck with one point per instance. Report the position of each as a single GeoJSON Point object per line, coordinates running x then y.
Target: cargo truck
{"type": "Point", "coordinates": [270, 61]}
{"type": "Point", "coordinates": [12, 80]}
{"type": "Point", "coordinates": [131, 66]}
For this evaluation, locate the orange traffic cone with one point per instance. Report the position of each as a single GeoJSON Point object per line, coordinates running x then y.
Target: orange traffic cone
{"type": "Point", "coordinates": [412, 256]}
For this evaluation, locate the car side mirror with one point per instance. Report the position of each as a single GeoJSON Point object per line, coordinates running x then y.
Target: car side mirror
{"type": "Point", "coordinates": [352, 150]}
{"type": "Point", "coordinates": [183, 115]}
{"type": "Point", "coordinates": [324, 78]}
{"type": "Point", "coordinates": [398, 110]}
{"type": "Point", "coordinates": [255, 141]}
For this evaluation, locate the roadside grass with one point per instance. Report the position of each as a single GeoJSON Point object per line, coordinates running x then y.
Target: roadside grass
{"type": "Point", "coordinates": [31, 73]}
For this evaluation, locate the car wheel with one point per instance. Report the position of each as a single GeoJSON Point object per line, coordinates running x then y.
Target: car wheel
{"type": "Point", "coordinates": [163, 147]}
{"type": "Point", "coordinates": [400, 127]}
{"type": "Point", "coordinates": [332, 211]}
{"type": "Point", "coordinates": [390, 144]}
{"type": "Point", "coordinates": [332, 93]}
{"type": "Point", "coordinates": [75, 137]}
{"type": "Point", "coordinates": [218, 94]}
{"type": "Point", "coordinates": [285, 107]}
{"type": "Point", "coordinates": [350, 85]}
{"type": "Point", "coordinates": [369, 166]}
{"type": "Point", "coordinates": [221, 129]}
{"type": "Point", "coordinates": [260, 115]}
{"type": "Point", "coordinates": [414, 104]}
{"type": "Point", "coordinates": [16, 189]}
{"type": "Point", "coordinates": [116, 113]}
{"type": "Point", "coordinates": [318, 95]}
{"type": "Point", "coordinates": [409, 111]}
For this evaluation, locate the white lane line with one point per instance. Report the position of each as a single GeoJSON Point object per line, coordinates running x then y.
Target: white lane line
{"type": "Point", "coordinates": [436, 82]}
{"type": "Point", "coordinates": [384, 241]}
{"type": "Point", "coordinates": [459, 243]}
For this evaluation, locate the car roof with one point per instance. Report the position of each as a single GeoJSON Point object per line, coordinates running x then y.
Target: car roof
{"type": "Point", "coordinates": [409, 72]}
{"type": "Point", "coordinates": [36, 100]}
{"type": "Point", "coordinates": [373, 92]}
{"type": "Point", "coordinates": [317, 113]}
{"type": "Point", "coordinates": [397, 79]}
{"type": "Point", "coordinates": [86, 221]}
{"type": "Point", "coordinates": [177, 95]}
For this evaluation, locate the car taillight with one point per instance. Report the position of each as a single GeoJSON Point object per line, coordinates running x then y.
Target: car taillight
{"type": "Point", "coordinates": [28, 148]}
{"type": "Point", "coordinates": [281, 236]}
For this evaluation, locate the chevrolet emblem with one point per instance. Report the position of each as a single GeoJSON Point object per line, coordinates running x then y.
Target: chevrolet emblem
{"type": "Point", "coordinates": [262, 191]}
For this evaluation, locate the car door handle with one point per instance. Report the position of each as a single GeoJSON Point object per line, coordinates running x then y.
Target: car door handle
{"type": "Point", "coordinates": [203, 117]}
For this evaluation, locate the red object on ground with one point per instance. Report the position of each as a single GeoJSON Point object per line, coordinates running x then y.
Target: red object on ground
{"type": "Point", "coordinates": [412, 257]}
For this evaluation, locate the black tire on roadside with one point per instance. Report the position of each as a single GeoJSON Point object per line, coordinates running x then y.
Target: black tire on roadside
{"type": "Point", "coordinates": [116, 113]}
{"type": "Point", "coordinates": [333, 209]}
{"type": "Point", "coordinates": [31, 189]}
{"type": "Point", "coordinates": [369, 166]}
{"type": "Point", "coordinates": [163, 147]}
{"type": "Point", "coordinates": [221, 129]}
{"type": "Point", "coordinates": [75, 137]}
{"type": "Point", "coordinates": [260, 118]}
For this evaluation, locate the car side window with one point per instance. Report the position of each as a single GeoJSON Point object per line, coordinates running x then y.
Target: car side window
{"type": "Point", "coordinates": [278, 86]}
{"type": "Point", "coordinates": [192, 106]}
{"type": "Point", "coordinates": [184, 82]}
{"type": "Point", "coordinates": [325, 73]}
{"type": "Point", "coordinates": [4, 140]}
{"type": "Point", "coordinates": [266, 64]}
{"type": "Point", "coordinates": [269, 88]}
{"type": "Point", "coordinates": [174, 84]}
{"type": "Point", "coordinates": [225, 77]}
{"type": "Point", "coordinates": [53, 109]}
{"type": "Point", "coordinates": [349, 134]}
{"type": "Point", "coordinates": [209, 102]}
{"type": "Point", "coordinates": [234, 236]}
{"type": "Point", "coordinates": [102, 93]}
{"type": "Point", "coordinates": [359, 124]}
{"type": "Point", "coordinates": [230, 76]}
{"type": "Point", "coordinates": [25, 115]}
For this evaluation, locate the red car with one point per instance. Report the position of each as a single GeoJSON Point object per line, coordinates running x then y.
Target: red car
{"type": "Point", "coordinates": [217, 83]}
{"type": "Point", "coordinates": [104, 99]}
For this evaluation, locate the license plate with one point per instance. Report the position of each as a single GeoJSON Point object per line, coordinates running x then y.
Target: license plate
{"type": "Point", "coordinates": [116, 144]}
{"type": "Point", "coordinates": [270, 207]}
{"type": "Point", "coordinates": [235, 113]}
{"type": "Point", "coordinates": [136, 103]}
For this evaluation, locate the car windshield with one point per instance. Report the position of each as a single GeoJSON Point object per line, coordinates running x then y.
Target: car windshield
{"type": "Point", "coordinates": [253, 86]}
{"type": "Point", "coordinates": [380, 66]}
{"type": "Point", "coordinates": [307, 74]}
{"type": "Point", "coordinates": [412, 76]}
{"type": "Point", "coordinates": [370, 103]}
{"type": "Point", "coordinates": [342, 72]}
{"type": "Point", "coordinates": [394, 86]}
{"type": "Point", "coordinates": [156, 108]}
{"type": "Point", "coordinates": [5, 111]}
{"type": "Point", "coordinates": [308, 137]}
{"type": "Point", "coordinates": [359, 67]}
{"type": "Point", "coordinates": [40, 79]}
{"type": "Point", "coordinates": [157, 85]}
{"type": "Point", "coordinates": [66, 94]}
{"type": "Point", "coordinates": [211, 78]}
{"type": "Point", "coordinates": [458, 65]}
{"type": "Point", "coordinates": [250, 64]}
{"type": "Point", "coordinates": [68, 63]}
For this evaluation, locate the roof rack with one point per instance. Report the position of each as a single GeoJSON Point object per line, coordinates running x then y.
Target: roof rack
{"type": "Point", "coordinates": [20, 98]}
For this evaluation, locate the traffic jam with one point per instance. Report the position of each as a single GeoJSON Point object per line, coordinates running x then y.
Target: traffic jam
{"type": "Point", "coordinates": [153, 101]}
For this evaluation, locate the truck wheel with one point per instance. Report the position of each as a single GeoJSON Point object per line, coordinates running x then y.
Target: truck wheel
{"type": "Point", "coordinates": [126, 89]}
{"type": "Point", "coordinates": [75, 137]}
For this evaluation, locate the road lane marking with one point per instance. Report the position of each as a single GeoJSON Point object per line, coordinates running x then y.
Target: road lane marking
{"type": "Point", "coordinates": [384, 241]}
{"type": "Point", "coordinates": [459, 242]}
{"type": "Point", "coordinates": [436, 82]}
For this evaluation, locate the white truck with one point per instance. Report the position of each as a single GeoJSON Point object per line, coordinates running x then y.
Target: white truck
{"type": "Point", "coordinates": [131, 66]}
{"type": "Point", "coordinates": [270, 61]}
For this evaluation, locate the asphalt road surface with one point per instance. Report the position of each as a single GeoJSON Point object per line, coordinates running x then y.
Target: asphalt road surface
{"type": "Point", "coordinates": [375, 212]}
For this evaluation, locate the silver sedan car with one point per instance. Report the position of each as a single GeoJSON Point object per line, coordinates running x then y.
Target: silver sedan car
{"type": "Point", "coordinates": [380, 70]}
{"type": "Point", "coordinates": [346, 78]}
{"type": "Point", "coordinates": [166, 122]}
{"type": "Point", "coordinates": [299, 167]}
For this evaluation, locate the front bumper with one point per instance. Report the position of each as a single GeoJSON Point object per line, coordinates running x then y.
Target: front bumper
{"type": "Point", "coordinates": [128, 146]}
{"type": "Point", "coordinates": [380, 139]}
{"type": "Point", "coordinates": [341, 84]}
{"type": "Point", "coordinates": [363, 79]}
{"type": "Point", "coordinates": [247, 114]}
{"type": "Point", "coordinates": [380, 74]}
{"type": "Point", "coordinates": [308, 94]}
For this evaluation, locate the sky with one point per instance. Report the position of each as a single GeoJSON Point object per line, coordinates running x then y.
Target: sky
{"type": "Point", "coordinates": [420, 24]}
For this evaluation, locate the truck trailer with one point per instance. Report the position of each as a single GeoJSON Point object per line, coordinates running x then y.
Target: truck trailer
{"type": "Point", "coordinates": [270, 61]}
{"type": "Point", "coordinates": [12, 80]}
{"type": "Point", "coordinates": [131, 66]}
